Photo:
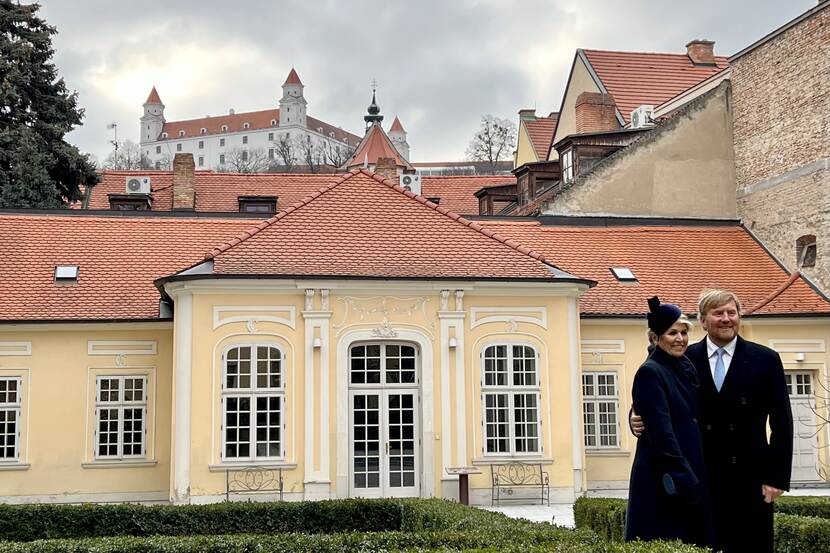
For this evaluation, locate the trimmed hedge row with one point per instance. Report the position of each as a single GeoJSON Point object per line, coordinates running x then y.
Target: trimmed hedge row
{"type": "Point", "coordinates": [32, 522]}
{"type": "Point", "coordinates": [794, 532]}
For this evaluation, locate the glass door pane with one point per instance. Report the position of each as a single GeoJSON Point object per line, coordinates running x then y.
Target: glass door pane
{"type": "Point", "coordinates": [366, 442]}
{"type": "Point", "coordinates": [402, 443]}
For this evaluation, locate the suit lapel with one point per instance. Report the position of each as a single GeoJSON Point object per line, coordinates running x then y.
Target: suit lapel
{"type": "Point", "coordinates": [698, 355]}
{"type": "Point", "coordinates": [736, 367]}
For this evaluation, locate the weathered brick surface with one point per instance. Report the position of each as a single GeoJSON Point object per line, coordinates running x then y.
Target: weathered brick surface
{"type": "Point", "coordinates": [781, 110]}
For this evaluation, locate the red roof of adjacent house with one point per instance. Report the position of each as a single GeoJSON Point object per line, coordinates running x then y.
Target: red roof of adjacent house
{"type": "Point", "coordinates": [118, 259]}
{"type": "Point", "coordinates": [396, 125]}
{"type": "Point", "coordinates": [540, 132]}
{"type": "Point", "coordinates": [267, 118]}
{"type": "Point", "coordinates": [638, 78]}
{"type": "Point", "coordinates": [292, 78]}
{"type": "Point", "coordinates": [220, 192]}
{"type": "Point", "coordinates": [153, 97]}
{"type": "Point", "coordinates": [364, 226]}
{"type": "Point", "coordinates": [375, 145]}
{"type": "Point", "coordinates": [673, 262]}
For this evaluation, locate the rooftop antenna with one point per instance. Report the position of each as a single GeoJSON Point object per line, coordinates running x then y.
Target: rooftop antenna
{"type": "Point", "coordinates": [114, 127]}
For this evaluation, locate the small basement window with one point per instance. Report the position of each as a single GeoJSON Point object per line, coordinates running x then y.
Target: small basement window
{"type": "Point", "coordinates": [805, 250]}
{"type": "Point", "coordinates": [623, 274]}
{"type": "Point", "coordinates": [66, 273]}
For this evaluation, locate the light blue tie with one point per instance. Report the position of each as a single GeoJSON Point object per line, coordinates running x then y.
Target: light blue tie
{"type": "Point", "coordinates": [720, 369]}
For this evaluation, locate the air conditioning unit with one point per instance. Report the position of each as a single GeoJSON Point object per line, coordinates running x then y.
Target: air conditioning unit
{"type": "Point", "coordinates": [411, 183]}
{"type": "Point", "coordinates": [137, 185]}
{"type": "Point", "coordinates": [642, 117]}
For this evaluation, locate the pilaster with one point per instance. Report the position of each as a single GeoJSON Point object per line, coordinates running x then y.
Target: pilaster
{"type": "Point", "coordinates": [316, 478]}
{"type": "Point", "coordinates": [183, 338]}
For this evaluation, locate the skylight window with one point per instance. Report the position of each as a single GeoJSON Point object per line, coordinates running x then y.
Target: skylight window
{"type": "Point", "coordinates": [623, 274]}
{"type": "Point", "coordinates": [66, 273]}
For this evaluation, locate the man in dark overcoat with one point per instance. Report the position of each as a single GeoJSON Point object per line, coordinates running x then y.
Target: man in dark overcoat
{"type": "Point", "coordinates": [742, 387]}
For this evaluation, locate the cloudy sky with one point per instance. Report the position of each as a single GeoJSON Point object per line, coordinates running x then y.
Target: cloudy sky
{"type": "Point", "coordinates": [439, 64]}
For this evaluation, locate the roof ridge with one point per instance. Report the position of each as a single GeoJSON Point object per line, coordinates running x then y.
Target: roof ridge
{"type": "Point", "coordinates": [777, 292]}
{"type": "Point", "coordinates": [240, 114]}
{"type": "Point", "coordinates": [643, 52]}
{"type": "Point", "coordinates": [460, 219]}
{"type": "Point", "coordinates": [270, 221]}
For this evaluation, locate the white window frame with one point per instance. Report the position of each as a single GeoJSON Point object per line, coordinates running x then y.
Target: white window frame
{"type": "Point", "coordinates": [596, 401]}
{"type": "Point", "coordinates": [252, 393]}
{"type": "Point", "coordinates": [119, 405]}
{"type": "Point", "coordinates": [511, 390]}
{"type": "Point", "coordinates": [16, 408]}
{"type": "Point", "coordinates": [568, 165]}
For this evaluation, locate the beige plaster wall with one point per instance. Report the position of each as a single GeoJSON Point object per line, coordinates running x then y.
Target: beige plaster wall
{"type": "Point", "coordinates": [581, 81]}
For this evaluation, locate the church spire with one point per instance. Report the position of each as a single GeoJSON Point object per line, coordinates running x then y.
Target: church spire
{"type": "Point", "coordinates": [374, 115]}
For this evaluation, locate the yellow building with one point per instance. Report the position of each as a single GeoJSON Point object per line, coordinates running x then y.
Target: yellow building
{"type": "Point", "coordinates": [361, 342]}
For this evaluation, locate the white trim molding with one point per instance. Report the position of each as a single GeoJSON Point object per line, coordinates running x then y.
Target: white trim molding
{"type": "Point", "coordinates": [510, 315]}
{"type": "Point", "coordinates": [798, 346]}
{"type": "Point", "coordinates": [10, 348]}
{"type": "Point", "coordinates": [182, 401]}
{"type": "Point", "coordinates": [121, 347]}
{"type": "Point", "coordinates": [251, 314]}
{"type": "Point", "coordinates": [577, 439]}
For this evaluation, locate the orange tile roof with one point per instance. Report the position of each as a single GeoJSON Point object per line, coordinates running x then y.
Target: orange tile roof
{"type": "Point", "coordinates": [256, 120]}
{"type": "Point", "coordinates": [118, 259]}
{"type": "Point", "coordinates": [153, 97]}
{"type": "Point", "coordinates": [292, 78]}
{"type": "Point", "coordinates": [219, 192]}
{"type": "Point", "coordinates": [638, 78]}
{"type": "Point", "coordinates": [541, 134]}
{"type": "Point", "coordinates": [363, 226]}
{"type": "Point", "coordinates": [396, 125]}
{"type": "Point", "coordinates": [375, 145]}
{"type": "Point", "coordinates": [673, 262]}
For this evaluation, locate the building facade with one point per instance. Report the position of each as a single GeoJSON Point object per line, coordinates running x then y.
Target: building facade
{"type": "Point", "coordinates": [284, 136]}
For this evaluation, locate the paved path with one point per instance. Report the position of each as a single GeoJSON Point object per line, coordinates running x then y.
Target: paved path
{"type": "Point", "coordinates": [562, 514]}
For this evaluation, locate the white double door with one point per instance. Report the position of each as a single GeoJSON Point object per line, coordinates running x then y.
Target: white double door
{"type": "Point", "coordinates": [384, 422]}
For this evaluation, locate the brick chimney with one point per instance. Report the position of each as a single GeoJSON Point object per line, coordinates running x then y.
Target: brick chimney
{"type": "Point", "coordinates": [387, 168]}
{"type": "Point", "coordinates": [527, 115]}
{"type": "Point", "coordinates": [701, 52]}
{"type": "Point", "coordinates": [184, 197]}
{"type": "Point", "coordinates": [595, 112]}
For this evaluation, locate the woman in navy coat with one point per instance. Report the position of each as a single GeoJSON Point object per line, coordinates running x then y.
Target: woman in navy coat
{"type": "Point", "coordinates": [668, 497]}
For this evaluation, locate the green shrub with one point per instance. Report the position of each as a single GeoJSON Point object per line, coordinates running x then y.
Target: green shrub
{"type": "Point", "coordinates": [804, 506]}
{"type": "Point", "coordinates": [794, 534]}
{"type": "Point", "coordinates": [605, 516]}
{"type": "Point", "coordinates": [32, 522]}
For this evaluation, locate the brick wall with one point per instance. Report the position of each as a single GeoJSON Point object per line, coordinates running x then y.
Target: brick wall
{"type": "Point", "coordinates": [781, 110]}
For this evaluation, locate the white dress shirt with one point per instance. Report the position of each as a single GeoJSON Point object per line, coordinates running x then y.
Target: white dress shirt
{"type": "Point", "coordinates": [728, 354]}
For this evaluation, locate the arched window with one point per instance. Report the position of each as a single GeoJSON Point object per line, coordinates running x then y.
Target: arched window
{"type": "Point", "coordinates": [246, 125]}
{"type": "Point", "coordinates": [181, 133]}
{"type": "Point", "coordinates": [510, 399]}
{"type": "Point", "coordinates": [805, 250]}
{"type": "Point", "coordinates": [164, 135]}
{"type": "Point", "coordinates": [253, 403]}
{"type": "Point", "coordinates": [224, 128]}
{"type": "Point", "coordinates": [203, 131]}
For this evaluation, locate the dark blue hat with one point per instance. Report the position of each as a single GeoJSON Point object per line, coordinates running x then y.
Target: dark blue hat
{"type": "Point", "coordinates": [661, 316]}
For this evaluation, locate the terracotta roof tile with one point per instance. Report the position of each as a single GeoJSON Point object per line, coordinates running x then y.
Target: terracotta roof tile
{"type": "Point", "coordinates": [674, 262]}
{"type": "Point", "coordinates": [256, 120]}
{"type": "Point", "coordinates": [363, 226]}
{"type": "Point", "coordinates": [375, 145]}
{"type": "Point", "coordinates": [118, 260]}
{"type": "Point", "coordinates": [396, 125]}
{"type": "Point", "coordinates": [541, 134]}
{"type": "Point", "coordinates": [153, 97]}
{"type": "Point", "coordinates": [292, 78]}
{"type": "Point", "coordinates": [219, 192]}
{"type": "Point", "coordinates": [638, 78]}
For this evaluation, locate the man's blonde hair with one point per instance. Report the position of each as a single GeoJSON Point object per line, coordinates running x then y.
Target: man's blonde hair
{"type": "Point", "coordinates": [714, 298]}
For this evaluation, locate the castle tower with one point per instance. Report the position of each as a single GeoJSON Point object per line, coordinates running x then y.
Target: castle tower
{"type": "Point", "coordinates": [152, 121]}
{"type": "Point", "coordinates": [397, 135]}
{"type": "Point", "coordinates": [293, 104]}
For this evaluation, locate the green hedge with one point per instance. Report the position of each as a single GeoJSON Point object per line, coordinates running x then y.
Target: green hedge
{"type": "Point", "coordinates": [803, 506]}
{"type": "Point", "coordinates": [794, 532]}
{"type": "Point", "coordinates": [32, 522]}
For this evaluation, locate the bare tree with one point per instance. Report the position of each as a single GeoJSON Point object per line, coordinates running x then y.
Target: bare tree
{"type": "Point", "coordinates": [240, 160]}
{"type": "Point", "coordinates": [337, 154]}
{"type": "Point", "coordinates": [286, 154]}
{"type": "Point", "coordinates": [311, 153]}
{"type": "Point", "coordinates": [494, 141]}
{"type": "Point", "coordinates": [128, 156]}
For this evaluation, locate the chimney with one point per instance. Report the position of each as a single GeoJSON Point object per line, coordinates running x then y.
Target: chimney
{"type": "Point", "coordinates": [527, 115]}
{"type": "Point", "coordinates": [184, 197]}
{"type": "Point", "coordinates": [595, 112]}
{"type": "Point", "coordinates": [387, 168]}
{"type": "Point", "coordinates": [701, 52]}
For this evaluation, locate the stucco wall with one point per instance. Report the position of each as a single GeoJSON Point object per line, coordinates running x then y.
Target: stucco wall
{"type": "Point", "coordinates": [525, 153]}
{"type": "Point", "coordinates": [684, 168]}
{"type": "Point", "coordinates": [581, 81]}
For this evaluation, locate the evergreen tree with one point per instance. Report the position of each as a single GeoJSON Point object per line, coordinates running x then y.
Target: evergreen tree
{"type": "Point", "coordinates": [38, 168]}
